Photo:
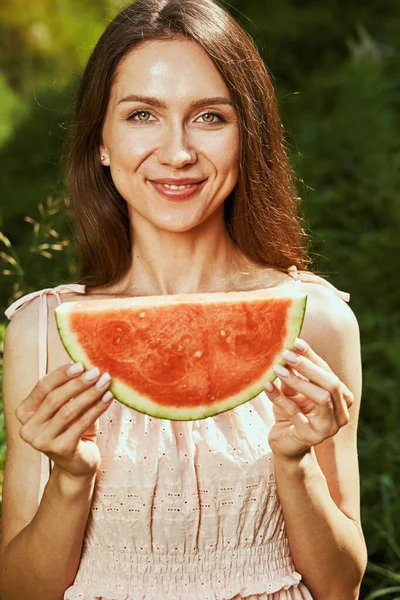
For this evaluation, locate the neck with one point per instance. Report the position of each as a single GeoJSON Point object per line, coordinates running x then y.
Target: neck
{"type": "Point", "coordinates": [200, 260]}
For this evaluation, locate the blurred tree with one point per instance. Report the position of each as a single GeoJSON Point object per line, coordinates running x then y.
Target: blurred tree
{"type": "Point", "coordinates": [45, 42]}
{"type": "Point", "coordinates": [43, 48]}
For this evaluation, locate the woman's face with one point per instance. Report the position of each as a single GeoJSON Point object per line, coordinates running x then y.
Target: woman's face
{"type": "Point", "coordinates": [170, 120]}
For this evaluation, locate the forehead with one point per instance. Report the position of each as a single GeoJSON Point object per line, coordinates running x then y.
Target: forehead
{"type": "Point", "coordinates": [169, 69]}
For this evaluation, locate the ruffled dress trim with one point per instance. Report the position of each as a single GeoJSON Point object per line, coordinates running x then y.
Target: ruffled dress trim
{"type": "Point", "coordinates": [206, 575]}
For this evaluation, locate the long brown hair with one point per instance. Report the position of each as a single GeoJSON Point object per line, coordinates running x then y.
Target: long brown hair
{"type": "Point", "coordinates": [261, 214]}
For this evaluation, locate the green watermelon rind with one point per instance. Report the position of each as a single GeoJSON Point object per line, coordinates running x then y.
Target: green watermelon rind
{"type": "Point", "coordinates": [145, 405]}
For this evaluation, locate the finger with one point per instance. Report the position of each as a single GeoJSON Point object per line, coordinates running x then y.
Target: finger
{"type": "Point", "coordinates": [41, 435]}
{"type": "Point", "coordinates": [45, 386]}
{"type": "Point", "coordinates": [285, 386]}
{"type": "Point", "coordinates": [70, 438]}
{"type": "Point", "coordinates": [310, 430]}
{"type": "Point", "coordinates": [74, 410]}
{"type": "Point", "coordinates": [318, 375]}
{"type": "Point", "coordinates": [58, 396]}
{"type": "Point", "coordinates": [328, 399]}
{"type": "Point", "coordinates": [302, 348]}
{"type": "Point", "coordinates": [286, 406]}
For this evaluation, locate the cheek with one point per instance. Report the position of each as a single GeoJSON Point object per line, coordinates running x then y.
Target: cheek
{"type": "Point", "coordinates": [127, 153]}
{"type": "Point", "coordinates": [222, 150]}
{"type": "Point", "coordinates": [229, 157]}
{"type": "Point", "coordinates": [124, 142]}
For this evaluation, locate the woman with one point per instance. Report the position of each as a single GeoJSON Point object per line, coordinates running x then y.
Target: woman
{"type": "Point", "coordinates": [179, 183]}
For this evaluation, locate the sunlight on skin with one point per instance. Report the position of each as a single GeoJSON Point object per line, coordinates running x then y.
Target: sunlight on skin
{"type": "Point", "coordinates": [178, 245]}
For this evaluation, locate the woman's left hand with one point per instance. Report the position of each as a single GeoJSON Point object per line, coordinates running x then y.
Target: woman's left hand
{"type": "Point", "coordinates": [310, 405]}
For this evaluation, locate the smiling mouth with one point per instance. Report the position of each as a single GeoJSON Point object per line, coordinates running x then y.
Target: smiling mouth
{"type": "Point", "coordinates": [179, 187]}
{"type": "Point", "coordinates": [185, 191]}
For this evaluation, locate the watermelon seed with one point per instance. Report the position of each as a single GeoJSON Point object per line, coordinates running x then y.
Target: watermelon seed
{"type": "Point", "coordinates": [198, 354]}
{"type": "Point", "coordinates": [223, 333]}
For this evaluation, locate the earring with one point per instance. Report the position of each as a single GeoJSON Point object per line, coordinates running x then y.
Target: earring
{"type": "Point", "coordinates": [103, 158]}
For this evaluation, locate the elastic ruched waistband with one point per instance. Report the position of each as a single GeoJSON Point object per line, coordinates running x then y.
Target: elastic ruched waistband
{"type": "Point", "coordinates": [209, 575]}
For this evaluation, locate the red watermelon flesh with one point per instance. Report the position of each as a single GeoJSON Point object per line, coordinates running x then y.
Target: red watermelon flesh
{"type": "Point", "coordinates": [184, 356]}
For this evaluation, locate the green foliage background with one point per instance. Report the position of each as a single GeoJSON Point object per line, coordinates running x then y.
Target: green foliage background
{"type": "Point", "coordinates": [336, 68]}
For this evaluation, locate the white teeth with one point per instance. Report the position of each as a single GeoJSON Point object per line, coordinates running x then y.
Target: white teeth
{"type": "Point", "coordinates": [177, 187]}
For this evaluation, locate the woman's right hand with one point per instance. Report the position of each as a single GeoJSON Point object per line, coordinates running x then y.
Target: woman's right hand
{"type": "Point", "coordinates": [60, 418]}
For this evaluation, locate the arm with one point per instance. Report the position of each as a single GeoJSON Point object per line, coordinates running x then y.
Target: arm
{"type": "Point", "coordinates": [41, 562]}
{"type": "Point", "coordinates": [319, 489]}
{"type": "Point", "coordinates": [41, 547]}
{"type": "Point", "coordinates": [327, 547]}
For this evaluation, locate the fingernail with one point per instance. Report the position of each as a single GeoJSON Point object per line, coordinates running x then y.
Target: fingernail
{"type": "Point", "coordinates": [299, 345]}
{"type": "Point", "coordinates": [281, 371]}
{"type": "Point", "coordinates": [268, 386]}
{"type": "Point", "coordinates": [290, 356]}
{"type": "Point", "coordinates": [75, 369]}
{"type": "Point", "coordinates": [105, 378]}
{"type": "Point", "coordinates": [91, 374]}
{"type": "Point", "coordinates": [107, 396]}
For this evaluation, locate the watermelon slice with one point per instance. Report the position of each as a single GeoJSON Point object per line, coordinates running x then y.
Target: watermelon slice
{"type": "Point", "coordinates": [186, 356]}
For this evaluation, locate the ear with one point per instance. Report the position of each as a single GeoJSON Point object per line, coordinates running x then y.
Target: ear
{"type": "Point", "coordinates": [104, 156]}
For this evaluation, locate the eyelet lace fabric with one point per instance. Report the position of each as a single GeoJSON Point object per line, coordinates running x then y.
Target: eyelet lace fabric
{"type": "Point", "coordinates": [182, 510]}
{"type": "Point", "coordinates": [186, 511]}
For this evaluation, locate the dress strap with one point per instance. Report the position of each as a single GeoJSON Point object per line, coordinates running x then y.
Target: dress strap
{"type": "Point", "coordinates": [300, 276]}
{"type": "Point", "coordinates": [43, 312]}
{"type": "Point", "coordinates": [46, 464]}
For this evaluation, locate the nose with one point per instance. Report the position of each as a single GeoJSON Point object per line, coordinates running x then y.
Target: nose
{"type": "Point", "coordinates": [175, 149]}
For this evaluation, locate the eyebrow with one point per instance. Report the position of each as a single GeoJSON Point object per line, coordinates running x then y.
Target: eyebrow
{"type": "Point", "coordinates": [160, 104]}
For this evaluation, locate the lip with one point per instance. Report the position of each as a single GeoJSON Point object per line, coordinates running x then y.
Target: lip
{"type": "Point", "coordinates": [178, 195]}
{"type": "Point", "coordinates": [176, 181]}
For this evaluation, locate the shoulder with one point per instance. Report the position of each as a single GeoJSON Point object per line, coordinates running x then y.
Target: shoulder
{"type": "Point", "coordinates": [22, 319]}
{"type": "Point", "coordinates": [21, 348]}
{"type": "Point", "coordinates": [32, 329]}
{"type": "Point", "coordinates": [330, 325]}
{"type": "Point", "coordinates": [32, 302]}
{"type": "Point", "coordinates": [331, 329]}
{"type": "Point", "coordinates": [27, 314]}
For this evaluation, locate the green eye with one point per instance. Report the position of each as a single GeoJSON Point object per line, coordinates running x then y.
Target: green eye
{"type": "Point", "coordinates": [141, 113]}
{"type": "Point", "coordinates": [138, 116]}
{"type": "Point", "coordinates": [208, 117]}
